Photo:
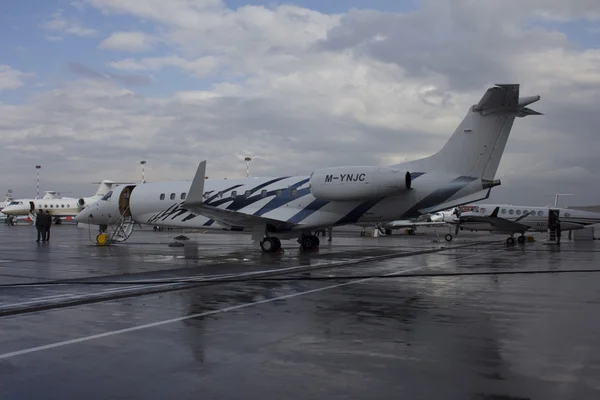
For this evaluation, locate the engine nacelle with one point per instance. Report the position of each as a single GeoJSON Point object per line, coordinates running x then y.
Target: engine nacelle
{"type": "Point", "coordinates": [81, 202]}
{"type": "Point", "coordinates": [358, 183]}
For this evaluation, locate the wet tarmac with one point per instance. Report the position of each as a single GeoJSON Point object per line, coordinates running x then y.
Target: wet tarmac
{"type": "Point", "coordinates": [378, 318]}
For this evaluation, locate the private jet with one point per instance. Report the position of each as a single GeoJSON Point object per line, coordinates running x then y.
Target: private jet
{"type": "Point", "coordinates": [57, 206]}
{"type": "Point", "coordinates": [511, 219]}
{"type": "Point", "coordinates": [286, 207]}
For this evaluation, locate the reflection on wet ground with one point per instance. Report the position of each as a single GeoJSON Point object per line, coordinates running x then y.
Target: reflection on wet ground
{"type": "Point", "coordinates": [416, 337]}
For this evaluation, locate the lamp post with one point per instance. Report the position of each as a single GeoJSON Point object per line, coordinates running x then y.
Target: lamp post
{"type": "Point", "coordinates": [143, 176]}
{"type": "Point", "coordinates": [247, 159]}
{"type": "Point", "coordinates": [38, 167]}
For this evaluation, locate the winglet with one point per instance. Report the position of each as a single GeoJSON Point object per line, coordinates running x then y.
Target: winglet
{"type": "Point", "coordinates": [495, 212]}
{"type": "Point", "coordinates": [196, 193]}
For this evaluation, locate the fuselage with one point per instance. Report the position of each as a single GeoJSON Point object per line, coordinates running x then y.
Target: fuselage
{"type": "Point", "coordinates": [64, 206]}
{"type": "Point", "coordinates": [279, 198]}
{"type": "Point", "coordinates": [536, 219]}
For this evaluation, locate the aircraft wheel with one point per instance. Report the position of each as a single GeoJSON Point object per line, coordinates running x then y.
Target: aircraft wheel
{"type": "Point", "coordinates": [306, 242]}
{"type": "Point", "coordinates": [448, 238]}
{"type": "Point", "coordinates": [411, 232]}
{"type": "Point", "coordinates": [510, 241]}
{"type": "Point", "coordinates": [315, 241]}
{"type": "Point", "coordinates": [277, 244]}
{"type": "Point", "coordinates": [269, 245]}
{"type": "Point", "coordinates": [521, 239]}
{"type": "Point", "coordinates": [388, 231]}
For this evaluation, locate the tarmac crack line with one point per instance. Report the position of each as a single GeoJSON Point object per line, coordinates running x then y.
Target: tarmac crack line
{"type": "Point", "coordinates": [222, 310]}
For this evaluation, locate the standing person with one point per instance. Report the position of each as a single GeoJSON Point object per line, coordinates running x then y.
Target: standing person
{"type": "Point", "coordinates": [557, 231]}
{"type": "Point", "coordinates": [47, 225]}
{"type": "Point", "coordinates": [39, 225]}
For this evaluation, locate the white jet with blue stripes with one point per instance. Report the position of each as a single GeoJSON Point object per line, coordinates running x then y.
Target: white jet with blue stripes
{"type": "Point", "coordinates": [285, 207]}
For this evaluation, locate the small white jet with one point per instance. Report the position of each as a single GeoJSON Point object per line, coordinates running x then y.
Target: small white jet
{"type": "Point", "coordinates": [511, 219]}
{"type": "Point", "coordinates": [57, 206]}
{"type": "Point", "coordinates": [284, 207]}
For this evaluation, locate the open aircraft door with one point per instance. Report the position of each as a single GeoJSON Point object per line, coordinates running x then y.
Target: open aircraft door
{"type": "Point", "coordinates": [124, 201]}
{"type": "Point", "coordinates": [553, 216]}
{"type": "Point", "coordinates": [31, 207]}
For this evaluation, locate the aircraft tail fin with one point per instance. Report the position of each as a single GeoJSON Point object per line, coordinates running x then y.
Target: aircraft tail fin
{"type": "Point", "coordinates": [106, 185]}
{"type": "Point", "coordinates": [476, 147]}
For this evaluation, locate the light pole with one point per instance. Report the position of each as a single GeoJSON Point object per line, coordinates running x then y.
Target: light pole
{"type": "Point", "coordinates": [247, 159]}
{"type": "Point", "coordinates": [37, 167]}
{"type": "Point", "coordinates": [143, 176]}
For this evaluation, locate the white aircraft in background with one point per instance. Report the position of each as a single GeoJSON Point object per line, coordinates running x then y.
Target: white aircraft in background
{"type": "Point", "coordinates": [7, 199]}
{"type": "Point", "coordinates": [287, 206]}
{"type": "Point", "coordinates": [59, 207]}
{"type": "Point", "coordinates": [513, 219]}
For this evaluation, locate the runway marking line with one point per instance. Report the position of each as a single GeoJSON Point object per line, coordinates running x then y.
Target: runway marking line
{"type": "Point", "coordinates": [223, 310]}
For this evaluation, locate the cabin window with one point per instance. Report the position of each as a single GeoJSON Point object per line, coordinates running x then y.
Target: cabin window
{"type": "Point", "coordinates": [62, 206]}
{"type": "Point", "coordinates": [294, 192]}
{"type": "Point", "coordinates": [234, 194]}
{"type": "Point", "coordinates": [540, 213]}
{"type": "Point", "coordinates": [172, 197]}
{"type": "Point", "coordinates": [524, 212]}
{"type": "Point", "coordinates": [106, 197]}
{"type": "Point", "coordinates": [503, 211]}
{"type": "Point", "coordinates": [511, 212]}
{"type": "Point", "coordinates": [263, 193]}
{"type": "Point", "coordinates": [220, 195]}
{"type": "Point", "coordinates": [247, 193]}
{"type": "Point", "coordinates": [518, 212]}
{"type": "Point", "coordinates": [182, 196]}
{"type": "Point", "coordinates": [162, 196]}
{"type": "Point", "coordinates": [51, 205]}
{"type": "Point", "coordinates": [278, 192]}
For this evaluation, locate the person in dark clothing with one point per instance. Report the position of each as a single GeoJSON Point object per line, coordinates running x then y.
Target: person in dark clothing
{"type": "Point", "coordinates": [558, 231]}
{"type": "Point", "coordinates": [39, 221]}
{"type": "Point", "coordinates": [47, 225]}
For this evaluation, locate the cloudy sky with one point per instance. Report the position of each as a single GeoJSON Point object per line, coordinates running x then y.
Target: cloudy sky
{"type": "Point", "coordinates": [89, 88]}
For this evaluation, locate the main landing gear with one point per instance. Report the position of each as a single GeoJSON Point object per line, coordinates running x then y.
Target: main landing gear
{"type": "Point", "coordinates": [272, 244]}
{"type": "Point", "coordinates": [511, 240]}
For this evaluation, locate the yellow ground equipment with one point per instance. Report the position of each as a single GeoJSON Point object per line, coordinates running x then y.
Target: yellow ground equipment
{"type": "Point", "coordinates": [102, 239]}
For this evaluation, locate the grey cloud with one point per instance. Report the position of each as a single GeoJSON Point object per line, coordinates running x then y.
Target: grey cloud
{"type": "Point", "coordinates": [89, 131]}
{"type": "Point", "coordinates": [469, 46]}
{"type": "Point", "coordinates": [127, 80]}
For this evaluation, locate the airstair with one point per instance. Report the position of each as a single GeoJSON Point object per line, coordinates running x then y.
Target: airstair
{"type": "Point", "coordinates": [122, 230]}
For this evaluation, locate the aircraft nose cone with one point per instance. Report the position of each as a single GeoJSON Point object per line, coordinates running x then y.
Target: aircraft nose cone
{"type": "Point", "coordinates": [84, 217]}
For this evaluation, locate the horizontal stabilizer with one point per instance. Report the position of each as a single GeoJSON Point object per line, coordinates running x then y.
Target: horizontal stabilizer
{"type": "Point", "coordinates": [505, 98]}
{"type": "Point", "coordinates": [523, 112]}
{"type": "Point", "coordinates": [457, 202]}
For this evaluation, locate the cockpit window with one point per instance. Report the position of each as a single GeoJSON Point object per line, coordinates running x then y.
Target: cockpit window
{"type": "Point", "coordinates": [16, 203]}
{"type": "Point", "coordinates": [106, 197]}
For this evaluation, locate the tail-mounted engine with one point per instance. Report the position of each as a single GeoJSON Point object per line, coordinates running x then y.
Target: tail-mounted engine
{"type": "Point", "coordinates": [358, 183]}
{"type": "Point", "coordinates": [81, 202]}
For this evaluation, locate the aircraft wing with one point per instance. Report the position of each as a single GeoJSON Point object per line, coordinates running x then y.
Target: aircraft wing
{"type": "Point", "coordinates": [503, 224]}
{"type": "Point", "coordinates": [458, 202]}
{"type": "Point", "coordinates": [194, 202]}
{"type": "Point", "coordinates": [401, 224]}
{"type": "Point", "coordinates": [508, 226]}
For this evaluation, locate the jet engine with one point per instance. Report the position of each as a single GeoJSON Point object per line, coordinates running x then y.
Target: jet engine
{"type": "Point", "coordinates": [81, 202]}
{"type": "Point", "coordinates": [358, 183]}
